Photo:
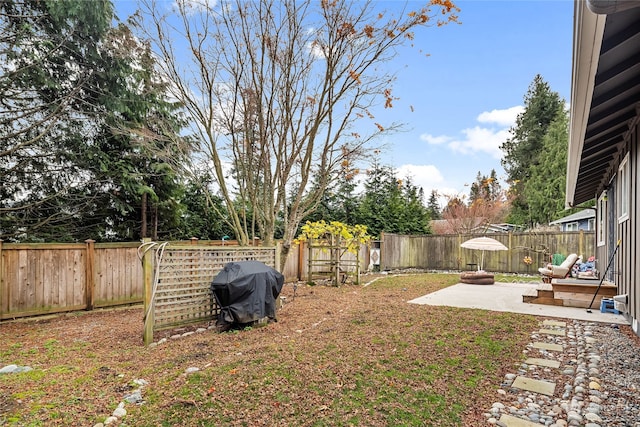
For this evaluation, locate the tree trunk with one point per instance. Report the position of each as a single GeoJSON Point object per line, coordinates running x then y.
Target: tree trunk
{"type": "Point", "coordinates": [143, 214]}
{"type": "Point", "coordinates": [155, 222]}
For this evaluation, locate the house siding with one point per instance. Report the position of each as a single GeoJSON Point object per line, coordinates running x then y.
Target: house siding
{"type": "Point", "coordinates": [630, 230]}
{"type": "Point", "coordinates": [583, 225]}
{"type": "Point", "coordinates": [626, 267]}
{"type": "Point", "coordinates": [604, 128]}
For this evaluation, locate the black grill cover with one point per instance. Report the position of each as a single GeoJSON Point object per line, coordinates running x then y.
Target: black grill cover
{"type": "Point", "coordinates": [246, 291]}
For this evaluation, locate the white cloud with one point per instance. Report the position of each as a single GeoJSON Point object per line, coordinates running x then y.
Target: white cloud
{"type": "Point", "coordinates": [479, 139]}
{"type": "Point", "coordinates": [505, 118]}
{"type": "Point", "coordinates": [425, 176]}
{"type": "Point", "coordinates": [429, 178]}
{"type": "Point", "coordinates": [191, 7]}
{"type": "Point", "coordinates": [434, 140]}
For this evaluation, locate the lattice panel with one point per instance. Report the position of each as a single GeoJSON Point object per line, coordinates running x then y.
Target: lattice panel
{"type": "Point", "coordinates": [183, 290]}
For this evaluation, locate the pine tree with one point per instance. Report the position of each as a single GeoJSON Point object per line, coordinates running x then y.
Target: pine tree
{"type": "Point", "coordinates": [392, 205]}
{"type": "Point", "coordinates": [485, 188]}
{"type": "Point", "coordinates": [415, 216]}
{"type": "Point", "coordinates": [379, 207]}
{"type": "Point", "coordinates": [86, 138]}
{"type": "Point", "coordinates": [522, 150]}
{"type": "Point", "coordinates": [433, 207]}
{"type": "Point", "coordinates": [545, 188]}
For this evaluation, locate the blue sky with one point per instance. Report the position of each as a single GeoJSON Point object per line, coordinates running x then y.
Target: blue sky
{"type": "Point", "coordinates": [458, 102]}
{"type": "Point", "coordinates": [467, 92]}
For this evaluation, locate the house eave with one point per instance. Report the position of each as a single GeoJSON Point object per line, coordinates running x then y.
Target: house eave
{"type": "Point", "coordinates": [605, 94]}
{"type": "Point", "coordinates": [587, 41]}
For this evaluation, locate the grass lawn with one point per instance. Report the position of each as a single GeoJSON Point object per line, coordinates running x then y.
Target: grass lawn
{"type": "Point", "coordinates": [337, 356]}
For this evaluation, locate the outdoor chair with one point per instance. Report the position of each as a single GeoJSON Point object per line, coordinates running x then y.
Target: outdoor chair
{"type": "Point", "coordinates": [558, 271]}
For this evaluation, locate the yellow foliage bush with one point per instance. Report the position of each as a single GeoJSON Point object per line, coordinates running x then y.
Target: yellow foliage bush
{"type": "Point", "coordinates": [352, 236]}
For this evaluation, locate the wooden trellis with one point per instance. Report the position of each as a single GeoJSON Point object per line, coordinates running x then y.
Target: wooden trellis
{"type": "Point", "coordinates": [330, 259]}
{"type": "Point", "coordinates": [178, 281]}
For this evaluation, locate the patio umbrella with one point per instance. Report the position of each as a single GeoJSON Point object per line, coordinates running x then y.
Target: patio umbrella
{"type": "Point", "coordinates": [483, 244]}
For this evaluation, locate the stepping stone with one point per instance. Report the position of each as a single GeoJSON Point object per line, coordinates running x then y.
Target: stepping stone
{"type": "Point", "coordinates": [559, 332]}
{"type": "Point", "coordinates": [547, 346]}
{"type": "Point", "coordinates": [511, 421]}
{"type": "Point", "coordinates": [542, 362]}
{"type": "Point", "coordinates": [536, 386]}
{"type": "Point", "coordinates": [554, 323]}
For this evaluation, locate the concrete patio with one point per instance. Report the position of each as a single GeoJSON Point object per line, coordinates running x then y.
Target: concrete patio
{"type": "Point", "coordinates": [508, 297]}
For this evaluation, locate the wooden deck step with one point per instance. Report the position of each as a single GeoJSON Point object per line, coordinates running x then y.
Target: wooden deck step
{"type": "Point", "coordinates": [580, 300]}
{"type": "Point", "coordinates": [602, 292]}
{"type": "Point", "coordinates": [570, 293]}
{"type": "Point", "coordinates": [540, 296]}
{"type": "Point", "coordinates": [549, 301]}
{"type": "Point", "coordinates": [581, 286]}
{"type": "Point", "coordinates": [529, 295]}
{"type": "Point", "coordinates": [545, 287]}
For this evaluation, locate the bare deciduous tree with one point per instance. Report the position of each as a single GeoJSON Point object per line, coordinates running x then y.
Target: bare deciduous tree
{"type": "Point", "coordinates": [478, 214]}
{"type": "Point", "coordinates": [274, 90]}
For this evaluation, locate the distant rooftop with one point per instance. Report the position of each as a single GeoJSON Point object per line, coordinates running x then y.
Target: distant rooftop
{"type": "Point", "coordinates": [578, 216]}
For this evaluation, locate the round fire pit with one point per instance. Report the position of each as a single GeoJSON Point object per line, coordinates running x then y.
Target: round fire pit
{"type": "Point", "coordinates": [477, 278]}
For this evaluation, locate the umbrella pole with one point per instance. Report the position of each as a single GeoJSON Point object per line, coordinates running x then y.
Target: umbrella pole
{"type": "Point", "coordinates": [481, 266]}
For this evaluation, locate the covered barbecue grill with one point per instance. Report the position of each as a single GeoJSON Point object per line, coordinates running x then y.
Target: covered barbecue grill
{"type": "Point", "coordinates": [246, 292]}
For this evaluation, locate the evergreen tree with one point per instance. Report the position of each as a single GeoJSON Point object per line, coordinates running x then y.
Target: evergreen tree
{"type": "Point", "coordinates": [392, 205]}
{"type": "Point", "coordinates": [381, 205]}
{"type": "Point", "coordinates": [476, 189]}
{"type": "Point", "coordinates": [48, 87]}
{"type": "Point", "coordinates": [204, 212]}
{"type": "Point", "coordinates": [522, 150]}
{"type": "Point", "coordinates": [545, 189]}
{"type": "Point", "coordinates": [415, 216]}
{"type": "Point", "coordinates": [433, 207]}
{"type": "Point", "coordinates": [85, 133]}
{"type": "Point", "coordinates": [347, 201]}
{"type": "Point", "coordinates": [338, 202]}
{"type": "Point", "coordinates": [486, 188]}
{"type": "Point", "coordinates": [140, 147]}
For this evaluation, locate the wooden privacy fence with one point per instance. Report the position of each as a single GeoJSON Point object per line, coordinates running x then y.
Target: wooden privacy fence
{"type": "Point", "coordinates": [50, 278]}
{"type": "Point", "coordinates": [47, 278]}
{"type": "Point", "coordinates": [443, 252]}
{"type": "Point", "coordinates": [177, 281]}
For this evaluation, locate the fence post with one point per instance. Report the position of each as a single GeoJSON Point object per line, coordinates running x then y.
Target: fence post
{"type": "Point", "coordinates": [459, 258]}
{"type": "Point", "coordinates": [510, 253]}
{"type": "Point", "coordinates": [358, 265]}
{"type": "Point", "coordinates": [89, 279]}
{"type": "Point", "coordinates": [335, 259]}
{"type": "Point", "coordinates": [2, 284]}
{"type": "Point", "coordinates": [381, 267]}
{"type": "Point", "coordinates": [581, 246]}
{"type": "Point", "coordinates": [147, 275]}
{"type": "Point", "coordinates": [300, 259]}
{"type": "Point", "coordinates": [276, 257]}
{"type": "Point", "coordinates": [309, 261]}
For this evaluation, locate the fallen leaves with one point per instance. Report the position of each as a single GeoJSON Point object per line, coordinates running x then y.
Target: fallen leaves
{"type": "Point", "coordinates": [361, 354]}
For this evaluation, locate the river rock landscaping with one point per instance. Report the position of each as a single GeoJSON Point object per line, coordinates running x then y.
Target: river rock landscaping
{"type": "Point", "coordinates": [592, 368]}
